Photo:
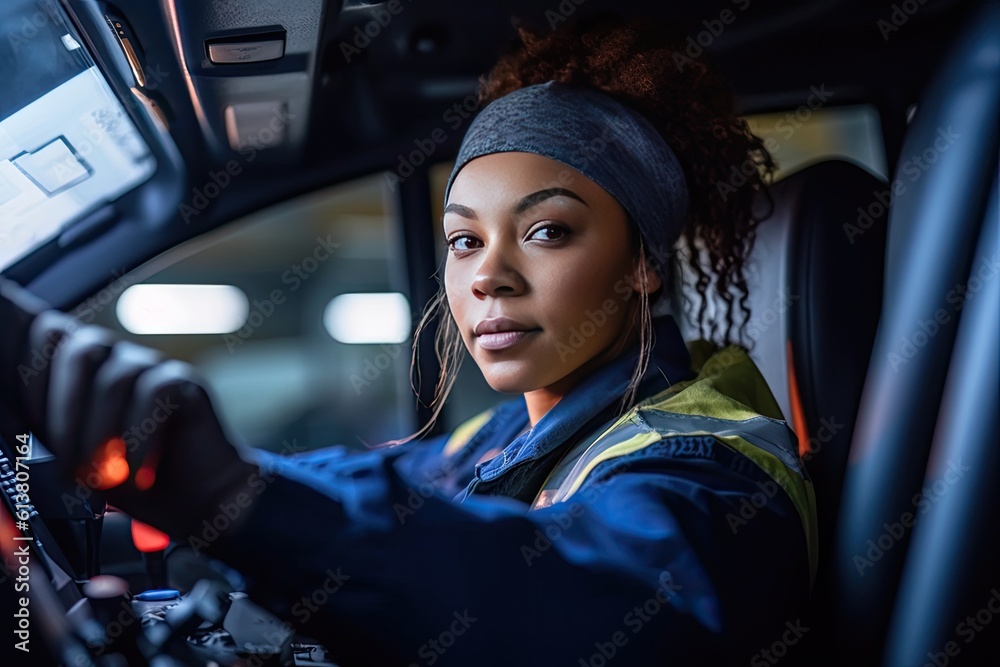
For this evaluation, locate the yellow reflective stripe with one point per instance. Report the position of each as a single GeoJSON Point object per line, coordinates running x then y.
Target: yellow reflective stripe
{"type": "Point", "coordinates": [557, 478]}
{"type": "Point", "coordinates": [798, 488]}
{"type": "Point", "coordinates": [633, 444]}
{"type": "Point", "coordinates": [461, 435]}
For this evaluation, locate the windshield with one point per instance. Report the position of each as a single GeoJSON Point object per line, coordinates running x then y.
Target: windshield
{"type": "Point", "coordinates": [66, 144]}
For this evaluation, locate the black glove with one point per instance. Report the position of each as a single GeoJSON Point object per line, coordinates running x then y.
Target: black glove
{"type": "Point", "coordinates": [118, 416]}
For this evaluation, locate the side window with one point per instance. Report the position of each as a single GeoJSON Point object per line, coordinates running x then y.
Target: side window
{"type": "Point", "coordinates": [294, 315]}
{"type": "Point", "coordinates": [800, 136]}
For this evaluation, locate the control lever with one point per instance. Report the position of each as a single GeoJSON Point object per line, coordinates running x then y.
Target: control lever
{"type": "Point", "coordinates": [151, 543]}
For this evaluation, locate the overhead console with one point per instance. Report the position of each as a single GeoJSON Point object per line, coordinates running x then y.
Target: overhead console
{"type": "Point", "coordinates": [249, 71]}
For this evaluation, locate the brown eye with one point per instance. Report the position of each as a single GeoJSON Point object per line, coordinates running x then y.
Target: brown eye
{"type": "Point", "coordinates": [548, 233]}
{"type": "Point", "coordinates": [463, 243]}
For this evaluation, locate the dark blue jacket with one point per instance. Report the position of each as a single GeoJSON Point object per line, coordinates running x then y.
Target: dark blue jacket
{"type": "Point", "coordinates": [681, 532]}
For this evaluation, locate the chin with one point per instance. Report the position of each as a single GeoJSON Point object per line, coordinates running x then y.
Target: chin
{"type": "Point", "coordinates": [508, 385]}
{"type": "Point", "coordinates": [511, 377]}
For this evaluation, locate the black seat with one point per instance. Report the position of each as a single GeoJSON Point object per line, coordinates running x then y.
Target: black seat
{"type": "Point", "coordinates": [815, 279]}
{"type": "Point", "coordinates": [816, 276]}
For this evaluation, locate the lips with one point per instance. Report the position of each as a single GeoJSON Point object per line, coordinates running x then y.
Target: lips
{"type": "Point", "coordinates": [493, 325]}
{"type": "Point", "coordinates": [500, 333]}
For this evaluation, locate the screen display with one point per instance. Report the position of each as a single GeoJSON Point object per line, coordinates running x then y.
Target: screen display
{"type": "Point", "coordinates": [67, 146]}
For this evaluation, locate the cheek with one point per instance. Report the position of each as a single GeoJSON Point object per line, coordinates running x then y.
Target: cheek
{"type": "Point", "coordinates": [458, 294]}
{"type": "Point", "coordinates": [457, 283]}
{"type": "Point", "coordinates": [588, 284]}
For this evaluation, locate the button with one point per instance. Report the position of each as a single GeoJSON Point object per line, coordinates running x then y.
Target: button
{"type": "Point", "coordinates": [246, 52]}
{"type": "Point", "coordinates": [158, 595]}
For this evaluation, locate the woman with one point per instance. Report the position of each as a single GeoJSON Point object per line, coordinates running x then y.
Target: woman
{"type": "Point", "coordinates": [632, 502]}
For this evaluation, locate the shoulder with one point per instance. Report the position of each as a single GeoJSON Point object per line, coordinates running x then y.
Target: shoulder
{"type": "Point", "coordinates": [724, 419]}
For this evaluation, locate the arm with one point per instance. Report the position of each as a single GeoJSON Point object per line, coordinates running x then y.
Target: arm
{"type": "Point", "coordinates": [640, 562]}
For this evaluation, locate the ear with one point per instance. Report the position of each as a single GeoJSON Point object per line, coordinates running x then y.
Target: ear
{"type": "Point", "coordinates": [653, 280]}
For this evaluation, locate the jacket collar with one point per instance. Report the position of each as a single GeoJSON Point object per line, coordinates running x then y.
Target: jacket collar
{"type": "Point", "coordinates": [596, 399]}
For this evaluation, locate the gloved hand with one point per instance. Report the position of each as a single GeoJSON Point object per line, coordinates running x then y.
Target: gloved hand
{"type": "Point", "coordinates": [118, 416]}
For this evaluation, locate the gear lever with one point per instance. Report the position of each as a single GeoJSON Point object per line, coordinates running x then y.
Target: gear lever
{"type": "Point", "coordinates": [152, 544]}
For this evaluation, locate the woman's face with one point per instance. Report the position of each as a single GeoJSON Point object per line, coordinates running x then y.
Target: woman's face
{"type": "Point", "coordinates": [540, 271]}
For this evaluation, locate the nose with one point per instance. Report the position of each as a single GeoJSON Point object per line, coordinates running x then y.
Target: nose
{"type": "Point", "coordinates": [496, 275]}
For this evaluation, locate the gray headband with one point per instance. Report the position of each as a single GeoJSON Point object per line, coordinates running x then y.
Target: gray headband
{"type": "Point", "coordinates": [606, 141]}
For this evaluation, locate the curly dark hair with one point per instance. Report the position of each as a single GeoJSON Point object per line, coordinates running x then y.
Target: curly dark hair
{"type": "Point", "coordinates": [693, 108]}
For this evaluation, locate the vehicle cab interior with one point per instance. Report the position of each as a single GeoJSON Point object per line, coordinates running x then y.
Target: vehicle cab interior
{"type": "Point", "coordinates": [256, 188]}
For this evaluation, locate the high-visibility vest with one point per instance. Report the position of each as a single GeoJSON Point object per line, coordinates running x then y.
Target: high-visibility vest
{"type": "Point", "coordinates": [728, 402]}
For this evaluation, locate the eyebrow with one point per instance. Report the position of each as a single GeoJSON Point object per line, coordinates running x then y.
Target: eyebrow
{"type": "Point", "coordinates": [526, 202]}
